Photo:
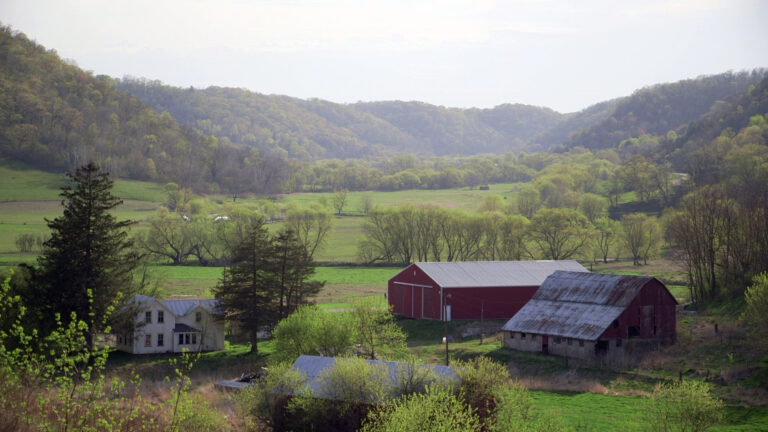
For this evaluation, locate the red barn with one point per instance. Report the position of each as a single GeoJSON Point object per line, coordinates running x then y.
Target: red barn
{"type": "Point", "coordinates": [595, 317]}
{"type": "Point", "coordinates": [469, 290]}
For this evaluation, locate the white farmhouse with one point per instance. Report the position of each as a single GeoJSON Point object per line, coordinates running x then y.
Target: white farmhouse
{"type": "Point", "coordinates": [172, 326]}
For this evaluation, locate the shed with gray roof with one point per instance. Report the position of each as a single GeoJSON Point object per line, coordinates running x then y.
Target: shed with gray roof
{"type": "Point", "coordinates": [469, 290]}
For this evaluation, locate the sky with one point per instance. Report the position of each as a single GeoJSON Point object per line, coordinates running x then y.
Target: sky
{"type": "Point", "coordinates": [565, 55]}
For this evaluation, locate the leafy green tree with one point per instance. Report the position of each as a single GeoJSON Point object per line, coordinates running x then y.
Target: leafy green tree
{"type": "Point", "coordinates": [311, 331]}
{"type": "Point", "coordinates": [593, 206]}
{"type": "Point", "coordinates": [340, 200]}
{"type": "Point", "coordinates": [635, 237]}
{"type": "Point", "coordinates": [607, 235]}
{"type": "Point", "coordinates": [311, 226]}
{"type": "Point", "coordinates": [89, 261]}
{"type": "Point", "coordinates": [559, 233]}
{"type": "Point", "coordinates": [375, 330]}
{"type": "Point", "coordinates": [755, 313]}
{"type": "Point", "coordinates": [169, 236]}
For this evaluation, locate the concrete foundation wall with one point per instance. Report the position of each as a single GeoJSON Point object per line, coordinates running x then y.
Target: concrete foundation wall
{"type": "Point", "coordinates": [627, 352]}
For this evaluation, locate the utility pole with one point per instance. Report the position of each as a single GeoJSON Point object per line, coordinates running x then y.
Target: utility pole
{"type": "Point", "coordinates": [445, 326]}
{"type": "Point", "coordinates": [482, 311]}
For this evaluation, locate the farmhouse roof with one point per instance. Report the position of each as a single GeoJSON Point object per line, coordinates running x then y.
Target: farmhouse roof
{"type": "Point", "coordinates": [494, 273]}
{"type": "Point", "coordinates": [178, 307]}
{"type": "Point", "coordinates": [312, 367]}
{"type": "Point", "coordinates": [576, 305]}
{"type": "Point", "coordinates": [183, 307]}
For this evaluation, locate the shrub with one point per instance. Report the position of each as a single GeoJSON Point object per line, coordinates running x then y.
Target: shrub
{"type": "Point", "coordinates": [436, 410]}
{"type": "Point", "coordinates": [480, 378]}
{"type": "Point", "coordinates": [685, 407]}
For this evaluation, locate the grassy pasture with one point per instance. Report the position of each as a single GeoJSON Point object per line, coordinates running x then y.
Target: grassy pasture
{"type": "Point", "coordinates": [465, 198]}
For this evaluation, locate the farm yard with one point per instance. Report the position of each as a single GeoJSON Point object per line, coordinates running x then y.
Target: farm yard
{"type": "Point", "coordinates": [583, 397]}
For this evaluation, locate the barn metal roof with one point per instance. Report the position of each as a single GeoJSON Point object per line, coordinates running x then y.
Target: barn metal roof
{"type": "Point", "coordinates": [576, 305]}
{"type": "Point", "coordinates": [312, 367]}
{"type": "Point", "coordinates": [494, 273]}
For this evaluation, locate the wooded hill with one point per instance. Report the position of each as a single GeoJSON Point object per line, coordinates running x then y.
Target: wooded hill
{"type": "Point", "coordinates": [309, 129]}
{"type": "Point", "coordinates": [55, 116]}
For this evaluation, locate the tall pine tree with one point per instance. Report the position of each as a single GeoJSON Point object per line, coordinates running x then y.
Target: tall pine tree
{"type": "Point", "coordinates": [266, 281]}
{"type": "Point", "coordinates": [245, 288]}
{"type": "Point", "coordinates": [89, 259]}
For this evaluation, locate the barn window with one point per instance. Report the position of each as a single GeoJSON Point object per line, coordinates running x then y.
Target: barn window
{"type": "Point", "coordinates": [558, 340]}
{"type": "Point", "coordinates": [511, 335]}
{"type": "Point", "coordinates": [570, 341]}
{"type": "Point", "coordinates": [533, 337]}
{"type": "Point", "coordinates": [581, 343]}
{"type": "Point", "coordinates": [633, 331]}
{"type": "Point", "coordinates": [615, 323]}
{"type": "Point", "coordinates": [618, 343]}
{"type": "Point", "coordinates": [522, 335]}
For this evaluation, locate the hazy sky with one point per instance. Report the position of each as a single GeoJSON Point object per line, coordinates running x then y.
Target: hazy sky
{"type": "Point", "coordinates": [562, 54]}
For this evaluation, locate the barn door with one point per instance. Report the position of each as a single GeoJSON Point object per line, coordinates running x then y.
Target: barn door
{"type": "Point", "coordinates": [647, 322]}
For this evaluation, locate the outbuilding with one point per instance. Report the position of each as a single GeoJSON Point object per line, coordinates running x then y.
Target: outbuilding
{"type": "Point", "coordinates": [469, 290]}
{"type": "Point", "coordinates": [595, 317]}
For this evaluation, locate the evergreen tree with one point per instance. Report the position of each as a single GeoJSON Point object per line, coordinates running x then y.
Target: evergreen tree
{"type": "Point", "coordinates": [266, 281]}
{"type": "Point", "coordinates": [89, 259]}
{"type": "Point", "coordinates": [246, 287]}
{"type": "Point", "coordinates": [292, 267]}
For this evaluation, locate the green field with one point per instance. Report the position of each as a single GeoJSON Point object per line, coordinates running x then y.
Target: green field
{"type": "Point", "coordinates": [466, 198]}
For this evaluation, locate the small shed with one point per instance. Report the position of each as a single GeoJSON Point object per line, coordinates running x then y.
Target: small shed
{"type": "Point", "coordinates": [595, 316]}
{"type": "Point", "coordinates": [469, 290]}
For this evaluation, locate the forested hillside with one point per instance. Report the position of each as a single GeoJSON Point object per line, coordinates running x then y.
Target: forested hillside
{"type": "Point", "coordinates": [664, 107]}
{"type": "Point", "coordinates": [55, 116]}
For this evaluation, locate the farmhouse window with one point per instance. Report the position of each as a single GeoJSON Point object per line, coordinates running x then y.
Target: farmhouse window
{"type": "Point", "coordinates": [181, 338]}
{"type": "Point", "coordinates": [194, 338]}
{"type": "Point", "coordinates": [148, 317]}
{"type": "Point", "coordinates": [186, 338]}
{"type": "Point", "coordinates": [198, 316]}
{"type": "Point", "coordinates": [148, 340]}
{"type": "Point", "coordinates": [160, 317]}
{"type": "Point", "coordinates": [160, 340]}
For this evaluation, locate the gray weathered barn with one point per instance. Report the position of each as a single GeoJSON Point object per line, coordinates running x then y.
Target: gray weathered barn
{"type": "Point", "coordinates": [594, 317]}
